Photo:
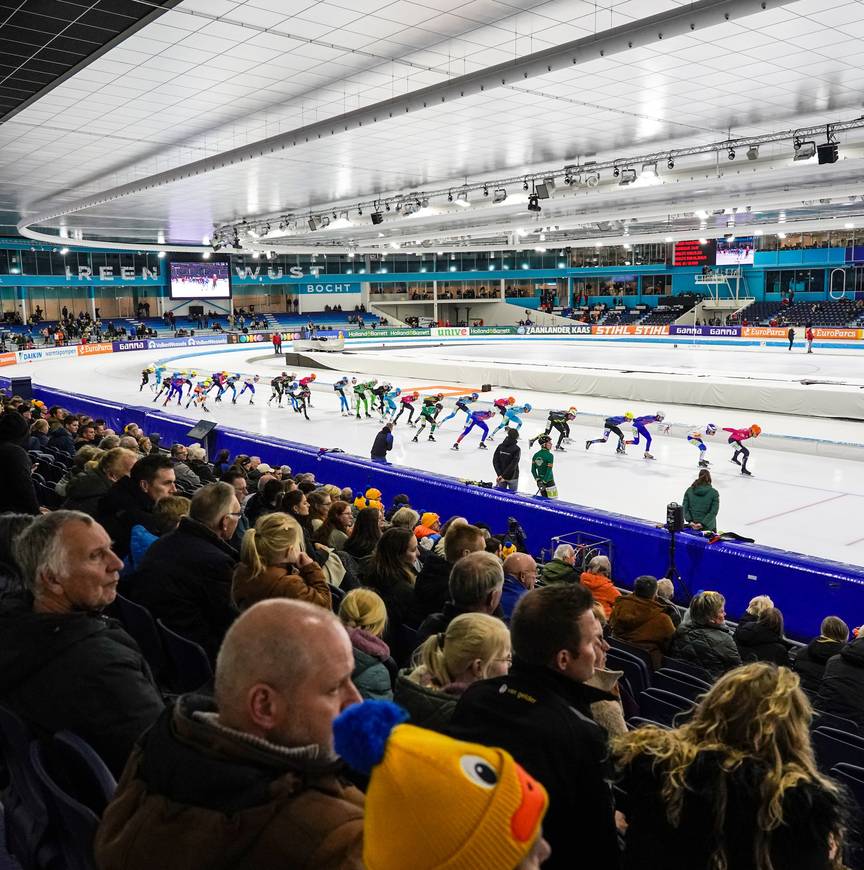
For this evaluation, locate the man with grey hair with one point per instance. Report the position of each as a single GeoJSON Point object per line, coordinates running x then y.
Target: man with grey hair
{"type": "Point", "coordinates": [476, 583]}
{"type": "Point", "coordinates": [85, 490]}
{"type": "Point", "coordinates": [63, 665]}
{"type": "Point", "coordinates": [250, 778]}
{"type": "Point", "coordinates": [185, 577]}
{"type": "Point", "coordinates": [665, 596]}
{"type": "Point", "coordinates": [560, 568]}
{"type": "Point", "coordinates": [182, 472]}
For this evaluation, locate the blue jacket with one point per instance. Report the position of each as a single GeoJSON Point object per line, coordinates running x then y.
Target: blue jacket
{"type": "Point", "coordinates": [511, 593]}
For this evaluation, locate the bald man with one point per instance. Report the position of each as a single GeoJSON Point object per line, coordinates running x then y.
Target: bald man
{"type": "Point", "coordinates": [250, 779]}
{"type": "Point", "coordinates": [520, 575]}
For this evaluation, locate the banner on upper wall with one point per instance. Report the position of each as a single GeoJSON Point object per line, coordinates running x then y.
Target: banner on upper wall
{"type": "Point", "coordinates": [8, 359]}
{"type": "Point", "coordinates": [291, 335]}
{"type": "Point", "coordinates": [494, 330]}
{"type": "Point", "coordinates": [631, 329]}
{"type": "Point", "coordinates": [25, 356]}
{"type": "Point", "coordinates": [837, 332]}
{"type": "Point", "coordinates": [564, 329]}
{"type": "Point", "coordinates": [388, 332]}
{"type": "Point", "coordinates": [158, 343]}
{"type": "Point", "coordinates": [95, 347]}
{"type": "Point", "coordinates": [727, 331]}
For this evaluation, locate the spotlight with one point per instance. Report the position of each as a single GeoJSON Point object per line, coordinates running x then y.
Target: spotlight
{"type": "Point", "coordinates": [827, 152]}
{"type": "Point", "coordinates": [499, 195]}
{"type": "Point", "coordinates": [670, 163]}
{"type": "Point", "coordinates": [628, 176]}
{"type": "Point", "coordinates": [804, 150]}
{"type": "Point", "coordinates": [753, 152]}
{"type": "Point", "coordinates": [731, 154]}
{"type": "Point", "coordinates": [377, 217]}
{"type": "Point", "coordinates": [534, 203]}
{"type": "Point", "coordinates": [161, 255]}
{"type": "Point", "coordinates": [360, 210]}
{"type": "Point", "coordinates": [525, 184]}
{"type": "Point", "coordinates": [485, 190]}
{"type": "Point", "coordinates": [593, 179]}
{"type": "Point", "coordinates": [387, 206]}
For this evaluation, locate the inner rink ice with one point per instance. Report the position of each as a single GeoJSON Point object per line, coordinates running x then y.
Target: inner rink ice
{"type": "Point", "coordinates": [798, 499]}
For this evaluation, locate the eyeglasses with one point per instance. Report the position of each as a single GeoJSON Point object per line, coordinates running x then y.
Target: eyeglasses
{"type": "Point", "coordinates": [237, 514]}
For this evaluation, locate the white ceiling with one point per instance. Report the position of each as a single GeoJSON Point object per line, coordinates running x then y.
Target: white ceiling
{"type": "Point", "coordinates": [210, 76]}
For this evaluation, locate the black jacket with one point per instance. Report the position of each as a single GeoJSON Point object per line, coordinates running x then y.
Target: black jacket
{"type": "Point", "coordinates": [85, 490]}
{"type": "Point", "coordinates": [544, 720]}
{"type": "Point", "coordinates": [810, 812]}
{"type": "Point", "coordinates": [185, 580]}
{"type": "Point", "coordinates": [78, 671]}
{"type": "Point", "coordinates": [123, 506]}
{"type": "Point", "coordinates": [709, 646]}
{"type": "Point", "coordinates": [202, 469]}
{"type": "Point", "coordinates": [842, 689]}
{"type": "Point", "coordinates": [17, 493]}
{"type": "Point", "coordinates": [62, 439]}
{"type": "Point", "coordinates": [505, 459]}
{"type": "Point", "coordinates": [757, 643]}
{"type": "Point", "coordinates": [433, 584]}
{"type": "Point", "coordinates": [810, 662]}
{"type": "Point", "coordinates": [382, 443]}
{"type": "Point", "coordinates": [435, 623]}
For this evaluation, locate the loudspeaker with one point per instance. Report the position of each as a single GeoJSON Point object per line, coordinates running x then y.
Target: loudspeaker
{"type": "Point", "coordinates": [674, 517]}
{"type": "Point", "coordinates": [22, 387]}
{"type": "Point", "coordinates": [827, 153]}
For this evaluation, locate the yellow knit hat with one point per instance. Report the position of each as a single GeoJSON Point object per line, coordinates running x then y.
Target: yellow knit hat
{"type": "Point", "coordinates": [435, 802]}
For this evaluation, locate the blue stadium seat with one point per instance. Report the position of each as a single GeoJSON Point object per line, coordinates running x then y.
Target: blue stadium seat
{"type": "Point", "coordinates": [834, 747]}
{"type": "Point", "coordinates": [662, 706]}
{"type": "Point", "coordinates": [190, 666]}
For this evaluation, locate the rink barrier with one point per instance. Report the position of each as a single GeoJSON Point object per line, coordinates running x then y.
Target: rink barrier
{"type": "Point", "coordinates": [805, 588]}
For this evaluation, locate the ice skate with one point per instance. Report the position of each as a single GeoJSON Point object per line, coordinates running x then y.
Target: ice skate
{"type": "Point", "coordinates": [735, 460]}
{"type": "Point", "coordinates": [455, 447]}
{"type": "Point", "coordinates": [647, 455]}
{"type": "Point", "coordinates": [704, 463]}
{"type": "Point", "coordinates": [587, 445]}
{"type": "Point", "coordinates": [560, 450]}
{"type": "Point", "coordinates": [745, 471]}
{"type": "Point", "coordinates": [414, 439]}
{"type": "Point", "coordinates": [233, 401]}
{"type": "Point", "coordinates": [483, 446]}
{"type": "Point", "coordinates": [621, 449]}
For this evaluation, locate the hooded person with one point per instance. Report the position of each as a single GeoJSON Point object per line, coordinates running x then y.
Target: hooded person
{"type": "Point", "coordinates": [425, 774]}
{"type": "Point", "coordinates": [17, 492]}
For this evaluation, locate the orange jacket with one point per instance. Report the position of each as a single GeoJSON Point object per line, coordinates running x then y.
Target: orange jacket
{"type": "Point", "coordinates": [602, 590]}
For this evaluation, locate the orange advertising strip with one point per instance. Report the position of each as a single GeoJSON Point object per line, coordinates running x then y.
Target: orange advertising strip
{"type": "Point", "coordinates": [630, 329]}
{"type": "Point", "coordinates": [763, 331]}
{"type": "Point", "coordinates": [8, 359]}
{"type": "Point", "coordinates": [839, 332]}
{"type": "Point", "coordinates": [96, 347]}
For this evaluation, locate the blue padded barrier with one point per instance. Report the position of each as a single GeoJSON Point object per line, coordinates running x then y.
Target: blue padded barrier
{"type": "Point", "coordinates": [805, 588]}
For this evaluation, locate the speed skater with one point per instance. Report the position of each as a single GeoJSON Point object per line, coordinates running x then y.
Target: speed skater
{"type": "Point", "coordinates": [407, 400]}
{"type": "Point", "coordinates": [640, 424]}
{"type": "Point", "coordinates": [145, 377]}
{"type": "Point", "coordinates": [340, 387]}
{"type": "Point", "coordinates": [613, 424]}
{"type": "Point", "coordinates": [696, 437]}
{"type": "Point", "coordinates": [462, 404]}
{"type": "Point", "coordinates": [249, 384]}
{"type": "Point", "coordinates": [560, 421]}
{"type": "Point", "coordinates": [361, 394]}
{"type": "Point", "coordinates": [390, 401]}
{"type": "Point", "coordinates": [511, 417]}
{"type": "Point", "coordinates": [737, 437]}
{"type": "Point", "coordinates": [477, 418]}
{"type": "Point", "coordinates": [428, 414]}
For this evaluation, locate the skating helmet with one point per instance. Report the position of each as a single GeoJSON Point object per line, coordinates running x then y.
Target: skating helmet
{"type": "Point", "coordinates": [236, 375]}
{"type": "Point", "coordinates": [151, 369]}
{"type": "Point", "coordinates": [415, 395]}
{"type": "Point", "coordinates": [526, 408]}
{"type": "Point", "coordinates": [284, 374]}
{"type": "Point", "coordinates": [628, 415]}
{"type": "Point", "coordinates": [755, 430]}
{"type": "Point", "coordinates": [312, 376]}
{"type": "Point", "coordinates": [475, 397]}
{"type": "Point", "coordinates": [439, 406]}
{"type": "Point", "coordinates": [256, 378]}
{"type": "Point", "coordinates": [373, 381]}
{"type": "Point", "coordinates": [193, 373]}
{"type": "Point", "coordinates": [398, 391]}
{"type": "Point", "coordinates": [439, 396]}
{"type": "Point", "coordinates": [659, 416]}
{"type": "Point", "coordinates": [572, 410]}
{"type": "Point", "coordinates": [225, 374]}
{"type": "Point", "coordinates": [208, 383]}
{"type": "Point", "coordinates": [511, 400]}
{"type": "Point", "coordinates": [711, 429]}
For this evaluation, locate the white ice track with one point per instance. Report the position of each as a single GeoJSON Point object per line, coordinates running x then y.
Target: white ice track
{"type": "Point", "coordinates": [795, 501]}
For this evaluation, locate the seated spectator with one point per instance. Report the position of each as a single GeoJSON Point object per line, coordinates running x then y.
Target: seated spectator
{"type": "Point", "coordinates": [63, 437]}
{"type": "Point", "coordinates": [761, 640]}
{"type": "Point", "coordinates": [399, 501]}
{"type": "Point", "coordinates": [167, 514]}
{"type": "Point", "coordinates": [598, 580]}
{"type": "Point", "coordinates": [11, 525]}
{"type": "Point", "coordinates": [639, 619]}
{"type": "Point", "coordinates": [86, 434]}
{"type": "Point", "coordinates": [842, 689]}
{"type": "Point", "coordinates": [520, 576]}
{"type": "Point", "coordinates": [755, 609]}
{"type": "Point", "coordinates": [735, 786]}
{"type": "Point", "coordinates": [319, 505]}
{"type": "Point", "coordinates": [501, 807]}
{"type": "Point", "coordinates": [17, 493]}
{"type": "Point", "coordinates": [131, 500]}
{"type": "Point", "coordinates": [185, 577]}
{"type": "Point", "coordinates": [541, 713]}
{"type": "Point", "coordinates": [810, 662]}
{"type": "Point", "coordinates": [703, 638]}
{"type": "Point", "coordinates": [474, 647]}
{"type": "Point", "coordinates": [364, 616]}
{"type": "Point", "coordinates": [439, 539]}
{"type": "Point", "coordinates": [38, 436]}
{"type": "Point", "coordinates": [273, 565]}
{"type": "Point", "coordinates": [390, 572]}
{"type": "Point", "coordinates": [336, 528]}
{"type": "Point", "coordinates": [196, 459]}
{"type": "Point", "coordinates": [250, 775]}
{"type": "Point", "coordinates": [365, 534]}
{"type": "Point", "coordinates": [83, 492]}
{"type": "Point", "coordinates": [476, 584]}
{"type": "Point", "coordinates": [295, 504]}
{"type": "Point", "coordinates": [63, 664]}
{"type": "Point", "coordinates": [434, 578]}
{"type": "Point", "coordinates": [85, 460]}
{"type": "Point", "coordinates": [559, 569]}
{"type": "Point", "coordinates": [404, 518]}
{"type": "Point", "coordinates": [182, 472]}
{"type": "Point", "coordinates": [664, 597]}
{"type": "Point", "coordinates": [267, 499]}
{"type": "Point", "coordinates": [221, 463]}
{"type": "Point", "coordinates": [607, 712]}
{"type": "Point", "coordinates": [429, 526]}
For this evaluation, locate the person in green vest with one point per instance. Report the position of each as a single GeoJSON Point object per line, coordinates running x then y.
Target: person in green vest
{"type": "Point", "coordinates": [541, 468]}
{"type": "Point", "coordinates": [701, 503]}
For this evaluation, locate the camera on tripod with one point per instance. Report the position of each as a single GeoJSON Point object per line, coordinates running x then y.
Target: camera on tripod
{"type": "Point", "coordinates": [674, 517]}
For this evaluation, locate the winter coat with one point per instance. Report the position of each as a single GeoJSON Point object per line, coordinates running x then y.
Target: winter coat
{"type": "Point", "coordinates": [757, 643]}
{"type": "Point", "coordinates": [202, 469]}
{"type": "Point", "coordinates": [642, 622]}
{"type": "Point", "coordinates": [185, 580]}
{"type": "Point", "coordinates": [17, 493]}
{"type": "Point", "coordinates": [63, 440]}
{"type": "Point", "coordinates": [506, 458]}
{"type": "Point", "coordinates": [383, 442]}
{"type": "Point", "coordinates": [198, 794]}
{"type": "Point", "coordinates": [76, 671]}
{"type": "Point", "coordinates": [433, 584]}
{"type": "Point", "coordinates": [544, 720]}
{"type": "Point", "coordinates": [183, 474]}
{"type": "Point", "coordinates": [123, 506]}
{"type": "Point", "coordinates": [701, 504]}
{"type": "Point", "coordinates": [559, 571]}
{"type": "Point", "coordinates": [810, 662]}
{"type": "Point", "coordinates": [372, 665]}
{"type": "Point", "coordinates": [602, 590]}
{"type": "Point", "coordinates": [280, 581]}
{"type": "Point", "coordinates": [512, 591]}
{"type": "Point", "coordinates": [84, 491]}
{"type": "Point", "coordinates": [842, 689]}
{"type": "Point", "coordinates": [401, 604]}
{"type": "Point", "coordinates": [709, 646]}
{"type": "Point", "coordinates": [427, 706]}
{"type": "Point", "coordinates": [810, 812]}
{"type": "Point", "coordinates": [436, 623]}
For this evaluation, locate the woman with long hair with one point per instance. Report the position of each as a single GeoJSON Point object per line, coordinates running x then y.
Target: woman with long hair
{"type": "Point", "coordinates": [391, 574]}
{"type": "Point", "coordinates": [734, 788]}
{"type": "Point", "coordinates": [366, 533]}
{"type": "Point", "coordinates": [337, 526]}
{"type": "Point", "coordinates": [273, 565]}
{"type": "Point", "coordinates": [365, 617]}
{"type": "Point", "coordinates": [701, 503]}
{"type": "Point", "coordinates": [810, 662]}
{"type": "Point", "coordinates": [474, 647]}
{"type": "Point", "coordinates": [266, 501]}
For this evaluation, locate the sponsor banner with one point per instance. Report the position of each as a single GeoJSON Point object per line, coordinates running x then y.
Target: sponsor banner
{"type": "Point", "coordinates": [389, 332]}
{"type": "Point", "coordinates": [450, 332]}
{"type": "Point", "coordinates": [838, 332]}
{"type": "Point", "coordinates": [494, 330]}
{"type": "Point", "coordinates": [133, 344]}
{"type": "Point", "coordinates": [631, 329]}
{"type": "Point", "coordinates": [8, 359]}
{"type": "Point", "coordinates": [46, 353]}
{"type": "Point", "coordinates": [95, 347]}
{"type": "Point", "coordinates": [764, 331]}
{"type": "Point", "coordinates": [564, 329]}
{"type": "Point", "coordinates": [191, 341]}
{"type": "Point", "coordinates": [728, 331]}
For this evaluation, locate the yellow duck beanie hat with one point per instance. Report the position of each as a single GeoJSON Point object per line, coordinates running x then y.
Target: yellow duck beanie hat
{"type": "Point", "coordinates": [435, 802]}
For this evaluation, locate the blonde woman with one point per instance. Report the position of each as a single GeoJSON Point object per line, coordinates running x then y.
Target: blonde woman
{"type": "Point", "coordinates": [365, 617]}
{"type": "Point", "coordinates": [273, 565]}
{"type": "Point", "coordinates": [736, 787]}
{"type": "Point", "coordinates": [474, 647]}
